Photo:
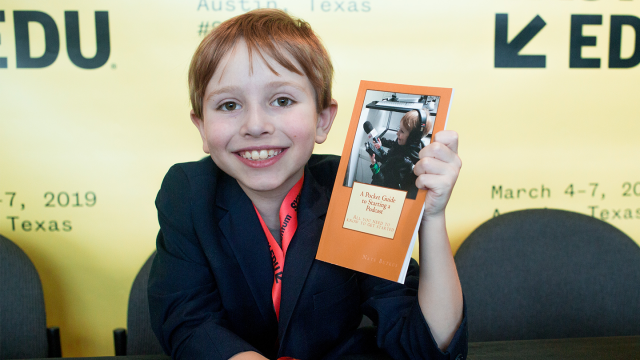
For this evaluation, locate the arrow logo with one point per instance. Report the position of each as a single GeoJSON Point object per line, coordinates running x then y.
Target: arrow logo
{"type": "Point", "coordinates": [506, 53]}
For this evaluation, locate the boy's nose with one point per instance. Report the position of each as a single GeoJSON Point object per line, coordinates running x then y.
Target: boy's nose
{"type": "Point", "coordinates": [257, 122]}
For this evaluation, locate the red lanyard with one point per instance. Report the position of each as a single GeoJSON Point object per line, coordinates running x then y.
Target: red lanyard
{"type": "Point", "coordinates": [288, 226]}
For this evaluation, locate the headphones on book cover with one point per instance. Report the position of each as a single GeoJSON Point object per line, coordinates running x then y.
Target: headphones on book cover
{"type": "Point", "coordinates": [417, 133]}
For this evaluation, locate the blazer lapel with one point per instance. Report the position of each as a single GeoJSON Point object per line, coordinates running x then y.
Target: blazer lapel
{"type": "Point", "coordinates": [240, 226]}
{"type": "Point", "coordinates": [303, 247]}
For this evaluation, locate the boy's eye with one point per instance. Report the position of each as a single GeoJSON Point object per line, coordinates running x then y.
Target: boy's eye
{"type": "Point", "coordinates": [230, 106]}
{"type": "Point", "coordinates": [282, 101]}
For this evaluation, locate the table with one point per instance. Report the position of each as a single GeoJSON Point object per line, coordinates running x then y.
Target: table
{"type": "Point", "coordinates": [602, 348]}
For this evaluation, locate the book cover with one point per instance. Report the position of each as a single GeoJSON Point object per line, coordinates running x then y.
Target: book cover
{"type": "Point", "coordinates": [375, 209]}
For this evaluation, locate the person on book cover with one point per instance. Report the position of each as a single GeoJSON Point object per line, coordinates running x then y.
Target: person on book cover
{"type": "Point", "coordinates": [235, 274]}
{"type": "Point", "coordinates": [394, 168]}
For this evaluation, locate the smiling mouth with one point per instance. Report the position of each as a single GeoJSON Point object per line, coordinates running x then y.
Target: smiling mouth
{"type": "Point", "coordinates": [257, 155]}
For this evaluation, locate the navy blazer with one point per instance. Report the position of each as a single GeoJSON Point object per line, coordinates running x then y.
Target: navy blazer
{"type": "Point", "coordinates": [210, 283]}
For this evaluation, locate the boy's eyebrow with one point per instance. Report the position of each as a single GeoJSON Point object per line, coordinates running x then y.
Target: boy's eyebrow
{"type": "Point", "coordinates": [277, 84]}
{"type": "Point", "coordinates": [273, 84]}
{"type": "Point", "coordinates": [225, 89]}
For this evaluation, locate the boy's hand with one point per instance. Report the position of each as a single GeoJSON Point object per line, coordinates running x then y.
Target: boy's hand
{"type": "Point", "coordinates": [437, 171]}
{"type": "Point", "coordinates": [373, 159]}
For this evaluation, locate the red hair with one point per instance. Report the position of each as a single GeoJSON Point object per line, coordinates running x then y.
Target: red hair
{"type": "Point", "coordinates": [266, 31]}
{"type": "Point", "coordinates": [411, 120]}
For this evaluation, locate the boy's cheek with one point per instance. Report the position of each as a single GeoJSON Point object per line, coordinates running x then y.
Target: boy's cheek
{"type": "Point", "coordinates": [217, 136]}
{"type": "Point", "coordinates": [214, 147]}
{"type": "Point", "coordinates": [306, 126]}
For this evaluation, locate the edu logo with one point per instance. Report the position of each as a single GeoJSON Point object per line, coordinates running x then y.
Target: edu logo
{"type": "Point", "coordinates": [24, 60]}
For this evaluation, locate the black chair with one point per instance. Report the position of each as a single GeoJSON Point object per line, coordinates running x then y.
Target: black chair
{"type": "Point", "coordinates": [545, 274]}
{"type": "Point", "coordinates": [139, 339]}
{"type": "Point", "coordinates": [23, 322]}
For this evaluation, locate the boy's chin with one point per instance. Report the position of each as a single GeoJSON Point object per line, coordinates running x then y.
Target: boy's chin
{"type": "Point", "coordinates": [268, 185]}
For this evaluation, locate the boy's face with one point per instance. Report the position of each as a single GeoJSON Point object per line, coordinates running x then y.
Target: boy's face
{"type": "Point", "coordinates": [259, 127]}
{"type": "Point", "coordinates": [403, 133]}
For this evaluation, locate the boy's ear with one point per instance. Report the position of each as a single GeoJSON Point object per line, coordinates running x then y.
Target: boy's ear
{"type": "Point", "coordinates": [325, 120]}
{"type": "Point", "coordinates": [199, 123]}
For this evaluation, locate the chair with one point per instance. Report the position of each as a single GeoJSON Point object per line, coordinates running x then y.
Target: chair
{"type": "Point", "coordinates": [139, 339]}
{"type": "Point", "coordinates": [544, 274]}
{"type": "Point", "coordinates": [23, 322]}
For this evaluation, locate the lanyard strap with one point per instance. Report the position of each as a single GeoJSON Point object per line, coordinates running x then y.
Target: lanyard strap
{"type": "Point", "coordinates": [288, 226]}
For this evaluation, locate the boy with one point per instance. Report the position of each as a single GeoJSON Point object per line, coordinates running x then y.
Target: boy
{"type": "Point", "coordinates": [220, 287]}
{"type": "Point", "coordinates": [394, 169]}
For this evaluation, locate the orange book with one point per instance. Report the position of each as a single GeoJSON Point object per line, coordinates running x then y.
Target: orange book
{"type": "Point", "coordinates": [375, 209]}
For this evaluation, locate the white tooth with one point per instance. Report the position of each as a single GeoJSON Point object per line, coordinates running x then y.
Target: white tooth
{"type": "Point", "coordinates": [255, 155]}
{"type": "Point", "coordinates": [247, 155]}
{"type": "Point", "coordinates": [271, 152]}
{"type": "Point", "coordinates": [263, 154]}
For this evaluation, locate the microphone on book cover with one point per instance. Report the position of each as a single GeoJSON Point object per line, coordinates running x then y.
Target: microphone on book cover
{"type": "Point", "coordinates": [371, 132]}
{"type": "Point", "coordinates": [372, 135]}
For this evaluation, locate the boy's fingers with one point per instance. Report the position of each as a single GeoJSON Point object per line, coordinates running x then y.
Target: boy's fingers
{"type": "Point", "coordinates": [429, 181]}
{"type": "Point", "coordinates": [448, 138]}
{"type": "Point", "coordinates": [440, 151]}
{"type": "Point", "coordinates": [436, 167]}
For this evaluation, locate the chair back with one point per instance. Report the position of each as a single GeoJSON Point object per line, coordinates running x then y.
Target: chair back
{"type": "Point", "coordinates": [544, 274]}
{"type": "Point", "coordinates": [140, 338]}
{"type": "Point", "coordinates": [23, 323]}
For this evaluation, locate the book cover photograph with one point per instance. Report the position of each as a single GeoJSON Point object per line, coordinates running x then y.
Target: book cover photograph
{"type": "Point", "coordinates": [375, 209]}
